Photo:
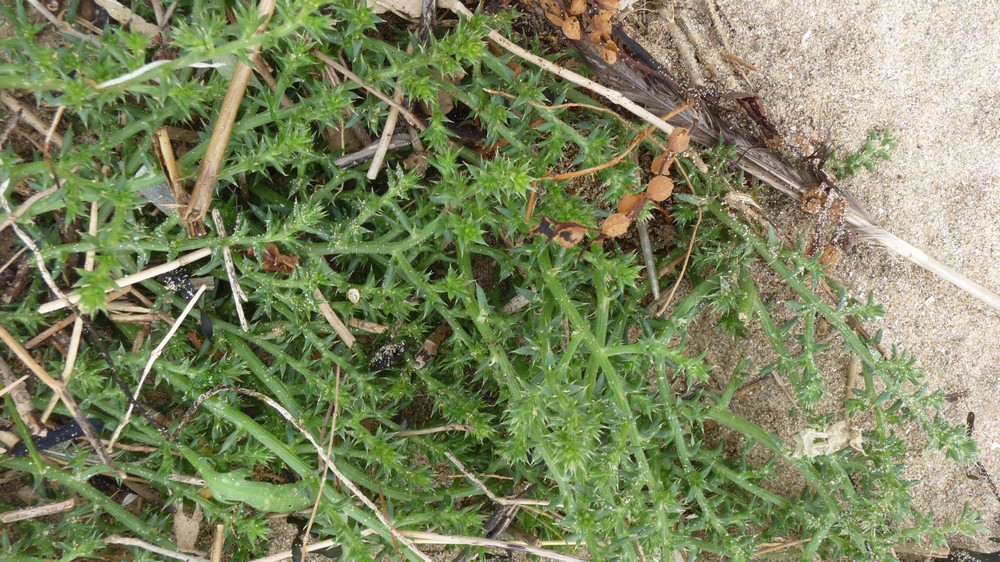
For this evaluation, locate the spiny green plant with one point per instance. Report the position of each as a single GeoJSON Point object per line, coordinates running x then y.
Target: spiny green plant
{"type": "Point", "coordinates": [606, 409]}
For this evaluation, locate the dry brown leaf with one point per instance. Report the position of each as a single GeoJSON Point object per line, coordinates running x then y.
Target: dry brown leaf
{"type": "Point", "coordinates": [274, 260]}
{"type": "Point", "coordinates": [577, 7]}
{"type": "Point", "coordinates": [566, 234]}
{"type": "Point", "coordinates": [615, 225]}
{"type": "Point", "coordinates": [187, 527]}
{"type": "Point", "coordinates": [660, 188]}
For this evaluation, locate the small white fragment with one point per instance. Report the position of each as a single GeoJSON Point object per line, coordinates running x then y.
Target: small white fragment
{"type": "Point", "coordinates": [811, 443]}
{"type": "Point", "coordinates": [354, 296]}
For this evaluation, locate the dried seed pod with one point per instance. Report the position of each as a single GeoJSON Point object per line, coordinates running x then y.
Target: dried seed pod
{"type": "Point", "coordinates": [629, 201]}
{"type": "Point", "coordinates": [610, 52]}
{"type": "Point", "coordinates": [571, 28]}
{"type": "Point", "coordinates": [660, 188]}
{"type": "Point", "coordinates": [679, 140]}
{"type": "Point", "coordinates": [662, 163]}
{"type": "Point", "coordinates": [615, 225]}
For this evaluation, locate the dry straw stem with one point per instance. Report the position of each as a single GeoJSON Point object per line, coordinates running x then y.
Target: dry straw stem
{"type": "Point", "coordinates": [60, 390]}
{"type": "Point", "coordinates": [434, 538]}
{"type": "Point", "coordinates": [61, 25]}
{"type": "Point", "coordinates": [613, 96]}
{"type": "Point", "coordinates": [152, 359]}
{"type": "Point", "coordinates": [128, 280]}
{"type": "Point", "coordinates": [204, 186]}
{"type": "Point", "coordinates": [128, 541]}
{"type": "Point", "coordinates": [218, 542]}
{"type": "Point", "coordinates": [496, 499]}
{"type": "Point", "coordinates": [12, 259]}
{"type": "Point", "coordinates": [23, 207]}
{"type": "Point", "coordinates": [28, 116]}
{"type": "Point", "coordinates": [420, 537]}
{"type": "Point", "coordinates": [366, 326]}
{"type": "Point", "coordinates": [12, 386]}
{"type": "Point", "coordinates": [329, 453]}
{"type": "Point", "coordinates": [406, 113]}
{"type": "Point", "coordinates": [239, 297]}
{"type": "Point", "coordinates": [386, 138]}
{"type": "Point", "coordinates": [680, 276]}
{"type": "Point", "coordinates": [439, 429]}
{"type": "Point", "coordinates": [335, 322]}
{"type": "Point", "coordinates": [128, 18]}
{"type": "Point", "coordinates": [37, 511]}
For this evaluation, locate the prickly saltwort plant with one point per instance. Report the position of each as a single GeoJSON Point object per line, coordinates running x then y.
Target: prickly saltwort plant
{"type": "Point", "coordinates": [606, 409]}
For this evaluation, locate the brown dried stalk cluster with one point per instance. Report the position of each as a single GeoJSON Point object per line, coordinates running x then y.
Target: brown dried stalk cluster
{"type": "Point", "coordinates": [592, 17]}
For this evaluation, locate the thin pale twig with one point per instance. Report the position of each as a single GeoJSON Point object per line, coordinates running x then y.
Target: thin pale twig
{"type": "Point", "coordinates": [128, 541]}
{"type": "Point", "coordinates": [329, 453]}
{"type": "Point", "coordinates": [61, 25]}
{"type": "Point", "coordinates": [12, 385]}
{"type": "Point", "coordinates": [680, 276]}
{"type": "Point", "coordinates": [239, 297]}
{"type": "Point", "coordinates": [335, 322]}
{"type": "Point", "coordinates": [434, 538]}
{"type": "Point", "coordinates": [218, 542]}
{"type": "Point", "coordinates": [152, 359]}
{"type": "Point", "coordinates": [12, 259]}
{"type": "Point", "coordinates": [439, 429]}
{"type": "Point", "coordinates": [406, 113]}
{"type": "Point", "coordinates": [149, 273]}
{"type": "Point", "coordinates": [36, 511]}
{"type": "Point", "coordinates": [23, 207]}
{"type": "Point", "coordinates": [386, 138]}
{"type": "Point", "coordinates": [611, 95]}
{"type": "Point", "coordinates": [496, 499]}
{"type": "Point", "coordinates": [127, 17]}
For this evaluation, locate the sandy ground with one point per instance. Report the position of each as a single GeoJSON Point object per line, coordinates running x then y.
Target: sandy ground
{"type": "Point", "coordinates": [927, 70]}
